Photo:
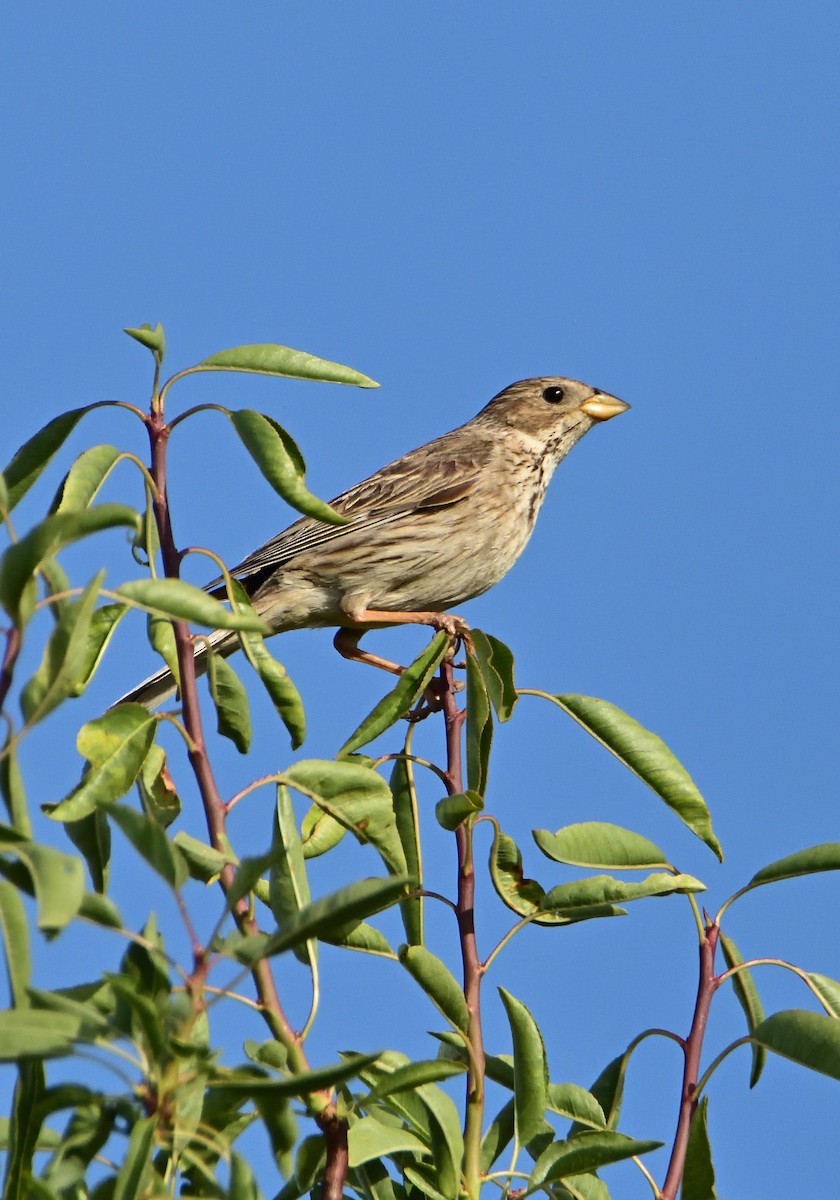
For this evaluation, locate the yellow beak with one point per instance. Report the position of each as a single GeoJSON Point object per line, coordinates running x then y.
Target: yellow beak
{"type": "Point", "coordinates": [602, 406]}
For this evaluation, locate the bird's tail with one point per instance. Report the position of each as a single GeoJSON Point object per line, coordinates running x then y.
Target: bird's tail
{"type": "Point", "coordinates": [161, 686]}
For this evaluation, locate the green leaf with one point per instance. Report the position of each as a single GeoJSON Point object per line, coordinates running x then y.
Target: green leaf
{"type": "Point", "coordinates": [406, 816]}
{"type": "Point", "coordinates": [479, 728]}
{"type": "Point", "coordinates": [496, 663]}
{"type": "Point", "coordinates": [288, 884]}
{"type": "Point", "coordinates": [182, 601]}
{"type": "Point", "coordinates": [64, 667]}
{"type": "Point", "coordinates": [91, 835]}
{"type": "Point", "coordinates": [24, 1033]}
{"type": "Point", "coordinates": [57, 880]}
{"type": "Point", "coordinates": [281, 466]}
{"type": "Point", "coordinates": [21, 560]}
{"type": "Point", "coordinates": [581, 1187]}
{"type": "Point", "coordinates": [152, 339]}
{"type": "Point", "coordinates": [452, 811]}
{"type": "Point", "coordinates": [369, 1139]}
{"type": "Point", "coordinates": [151, 843]}
{"type": "Point", "coordinates": [808, 1038]}
{"type": "Point", "coordinates": [526, 897]}
{"type": "Point", "coordinates": [361, 937]}
{"type": "Point", "coordinates": [530, 1069]}
{"type": "Point", "coordinates": [598, 844]}
{"type": "Point", "coordinates": [499, 1134]}
{"type": "Point", "coordinates": [82, 482]}
{"type": "Point", "coordinates": [749, 999]}
{"type": "Point", "coordinates": [352, 903]}
{"type": "Point", "coordinates": [446, 1138]}
{"type": "Point", "coordinates": [203, 862]}
{"type": "Point", "coordinates": [11, 787]}
{"type": "Point", "coordinates": [824, 857]}
{"type": "Point", "coordinates": [35, 455]}
{"type": "Point", "coordinates": [161, 637]}
{"type": "Point", "coordinates": [101, 911]}
{"type": "Point", "coordinates": [699, 1175]}
{"type": "Point", "coordinates": [272, 359]}
{"type": "Point", "coordinates": [647, 756]}
{"type": "Point", "coordinates": [575, 1102]}
{"type": "Point", "coordinates": [356, 797]}
{"type": "Point", "coordinates": [828, 992]}
{"type": "Point", "coordinates": [101, 629]}
{"type": "Point", "coordinates": [438, 983]}
{"type": "Point", "coordinates": [157, 791]}
{"type": "Point", "coordinates": [116, 746]}
{"type": "Point", "coordinates": [603, 889]}
{"type": "Point", "coordinates": [608, 1090]}
{"type": "Point", "coordinates": [137, 1164]}
{"type": "Point", "coordinates": [4, 496]}
{"type": "Point", "coordinates": [319, 832]}
{"type": "Point", "coordinates": [585, 1152]}
{"type": "Point", "coordinates": [410, 686]}
{"type": "Point", "coordinates": [413, 1075]}
{"type": "Point", "coordinates": [249, 1084]}
{"type": "Point", "coordinates": [274, 677]}
{"type": "Point", "coordinates": [233, 717]}
{"type": "Point", "coordinates": [25, 1129]}
{"type": "Point", "coordinates": [15, 932]}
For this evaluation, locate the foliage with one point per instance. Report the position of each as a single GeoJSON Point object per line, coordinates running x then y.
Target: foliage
{"type": "Point", "coordinates": [380, 1126]}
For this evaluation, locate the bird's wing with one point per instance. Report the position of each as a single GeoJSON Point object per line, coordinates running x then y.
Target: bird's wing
{"type": "Point", "coordinates": [425, 479]}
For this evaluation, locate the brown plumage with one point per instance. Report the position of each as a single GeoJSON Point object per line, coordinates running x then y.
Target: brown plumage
{"type": "Point", "coordinates": [434, 528]}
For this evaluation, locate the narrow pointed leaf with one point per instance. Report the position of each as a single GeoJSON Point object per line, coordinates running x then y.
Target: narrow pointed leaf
{"type": "Point", "coordinates": [479, 730]}
{"type": "Point", "coordinates": [496, 663]}
{"type": "Point", "coordinates": [15, 932]}
{"type": "Point", "coordinates": [411, 685]}
{"type": "Point", "coordinates": [150, 841]}
{"type": "Point", "coordinates": [25, 1130]}
{"type": "Point", "coordinates": [25, 1033]}
{"type": "Point", "coordinates": [157, 791]}
{"type": "Point", "coordinates": [647, 756]}
{"type": "Point", "coordinates": [288, 884]}
{"type": "Point", "coordinates": [599, 844]}
{"type": "Point", "coordinates": [35, 455]}
{"type": "Point", "coordinates": [280, 465]}
{"type": "Point", "coordinates": [319, 832]}
{"type": "Point", "coordinates": [233, 716]}
{"type": "Point", "coordinates": [438, 982]}
{"type": "Point", "coordinates": [161, 637]}
{"type": "Point", "coordinates": [530, 1069]}
{"type": "Point", "coordinates": [808, 1038]}
{"type": "Point", "coordinates": [499, 1135]}
{"type": "Point", "coordinates": [64, 667]}
{"type": "Point", "coordinates": [355, 902]}
{"type": "Point", "coordinates": [12, 789]}
{"type": "Point", "coordinates": [21, 560]}
{"type": "Point", "coordinates": [413, 1075]}
{"type": "Point", "coordinates": [361, 937]}
{"type": "Point", "coordinates": [272, 359]}
{"type": "Point", "coordinates": [82, 482]}
{"type": "Point", "coordinates": [273, 676]}
{"type": "Point", "coordinates": [699, 1175]}
{"type": "Point", "coordinates": [406, 816]}
{"type": "Point", "coordinates": [203, 862]}
{"type": "Point", "coordinates": [824, 857]}
{"type": "Point", "coordinates": [603, 889]}
{"type": "Point", "coordinates": [584, 1152]}
{"type": "Point", "coordinates": [522, 895]}
{"type": "Point", "coordinates": [750, 1001]}
{"type": "Point", "coordinates": [828, 991]}
{"type": "Point", "coordinates": [183, 602]}
{"type": "Point", "coordinates": [101, 629]}
{"type": "Point", "coordinates": [137, 1164]}
{"type": "Point", "coordinates": [447, 1140]}
{"type": "Point", "coordinates": [116, 746]}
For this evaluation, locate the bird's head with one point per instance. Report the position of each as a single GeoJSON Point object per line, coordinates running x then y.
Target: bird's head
{"type": "Point", "coordinates": [552, 409]}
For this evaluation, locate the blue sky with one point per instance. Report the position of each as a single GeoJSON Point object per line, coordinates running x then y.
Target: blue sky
{"type": "Point", "coordinates": [449, 198]}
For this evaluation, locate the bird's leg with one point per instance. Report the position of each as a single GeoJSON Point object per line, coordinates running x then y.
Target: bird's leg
{"type": "Point", "coordinates": [346, 642]}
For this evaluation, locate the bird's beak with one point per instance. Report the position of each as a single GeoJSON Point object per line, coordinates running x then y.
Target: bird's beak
{"type": "Point", "coordinates": [602, 406]}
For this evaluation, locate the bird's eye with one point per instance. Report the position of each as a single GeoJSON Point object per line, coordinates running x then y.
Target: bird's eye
{"type": "Point", "coordinates": [553, 394]}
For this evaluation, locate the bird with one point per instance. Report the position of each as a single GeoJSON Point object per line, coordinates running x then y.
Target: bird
{"type": "Point", "coordinates": [433, 529]}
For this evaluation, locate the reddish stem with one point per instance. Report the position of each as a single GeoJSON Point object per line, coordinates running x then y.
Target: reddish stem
{"type": "Point", "coordinates": [465, 911]}
{"type": "Point", "coordinates": [334, 1129]}
{"type": "Point", "coordinates": [707, 985]}
{"type": "Point", "coordinates": [13, 643]}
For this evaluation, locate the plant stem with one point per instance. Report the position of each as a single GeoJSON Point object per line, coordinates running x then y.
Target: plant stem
{"type": "Point", "coordinates": [465, 911]}
{"type": "Point", "coordinates": [215, 811]}
{"type": "Point", "coordinates": [707, 985]}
